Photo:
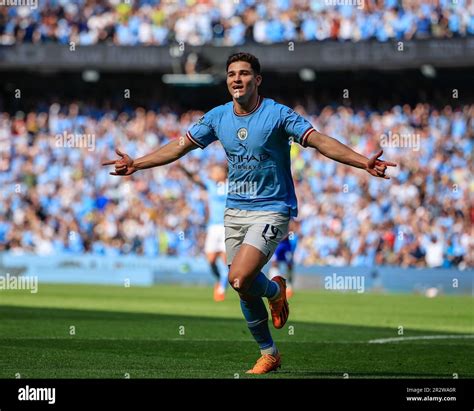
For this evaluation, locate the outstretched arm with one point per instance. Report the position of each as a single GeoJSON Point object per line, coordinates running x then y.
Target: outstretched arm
{"type": "Point", "coordinates": [163, 155]}
{"type": "Point", "coordinates": [337, 151]}
{"type": "Point", "coordinates": [193, 177]}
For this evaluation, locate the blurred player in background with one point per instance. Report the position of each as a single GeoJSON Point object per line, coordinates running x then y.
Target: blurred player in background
{"type": "Point", "coordinates": [216, 187]}
{"type": "Point", "coordinates": [284, 256]}
{"type": "Point", "coordinates": [256, 134]}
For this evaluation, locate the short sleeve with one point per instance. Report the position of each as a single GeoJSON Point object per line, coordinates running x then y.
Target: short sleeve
{"type": "Point", "coordinates": [202, 133]}
{"type": "Point", "coordinates": [296, 126]}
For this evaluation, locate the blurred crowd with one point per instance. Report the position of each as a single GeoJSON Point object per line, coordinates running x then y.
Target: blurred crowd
{"type": "Point", "coordinates": [233, 22]}
{"type": "Point", "coordinates": [56, 197]}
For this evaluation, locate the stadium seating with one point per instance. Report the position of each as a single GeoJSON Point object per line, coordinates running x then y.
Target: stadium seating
{"type": "Point", "coordinates": [230, 23]}
{"type": "Point", "coordinates": [61, 200]}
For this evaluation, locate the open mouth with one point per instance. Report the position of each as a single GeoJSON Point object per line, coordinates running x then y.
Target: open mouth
{"type": "Point", "coordinates": [237, 87]}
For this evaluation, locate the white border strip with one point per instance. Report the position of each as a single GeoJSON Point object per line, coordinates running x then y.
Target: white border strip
{"type": "Point", "coordinates": [419, 337]}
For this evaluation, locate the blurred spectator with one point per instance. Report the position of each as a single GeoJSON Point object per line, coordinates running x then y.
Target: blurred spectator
{"type": "Point", "coordinates": [57, 198]}
{"type": "Point", "coordinates": [434, 252]}
{"type": "Point", "coordinates": [233, 23]}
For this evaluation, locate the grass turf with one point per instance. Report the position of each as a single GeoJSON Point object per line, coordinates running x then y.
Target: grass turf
{"type": "Point", "coordinates": [170, 331]}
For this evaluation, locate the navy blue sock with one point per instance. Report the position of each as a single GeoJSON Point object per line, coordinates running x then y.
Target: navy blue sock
{"type": "Point", "coordinates": [263, 287]}
{"type": "Point", "coordinates": [256, 315]}
{"type": "Point", "coordinates": [215, 270]}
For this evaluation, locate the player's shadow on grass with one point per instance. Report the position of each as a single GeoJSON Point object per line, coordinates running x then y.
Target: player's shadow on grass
{"type": "Point", "coordinates": [55, 343]}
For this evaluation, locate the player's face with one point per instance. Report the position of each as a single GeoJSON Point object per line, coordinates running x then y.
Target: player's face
{"type": "Point", "coordinates": [242, 82]}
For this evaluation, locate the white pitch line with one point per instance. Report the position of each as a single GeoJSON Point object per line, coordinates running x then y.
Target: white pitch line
{"type": "Point", "coordinates": [419, 337]}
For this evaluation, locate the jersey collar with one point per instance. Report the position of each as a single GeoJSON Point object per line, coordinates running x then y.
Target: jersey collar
{"type": "Point", "coordinates": [259, 103]}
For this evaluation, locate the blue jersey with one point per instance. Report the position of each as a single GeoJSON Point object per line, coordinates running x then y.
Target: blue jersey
{"type": "Point", "coordinates": [216, 193]}
{"type": "Point", "coordinates": [283, 252]}
{"type": "Point", "coordinates": [286, 248]}
{"type": "Point", "coordinates": [257, 145]}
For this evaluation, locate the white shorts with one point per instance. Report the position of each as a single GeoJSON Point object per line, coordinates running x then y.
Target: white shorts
{"type": "Point", "coordinates": [215, 239]}
{"type": "Point", "coordinates": [261, 229]}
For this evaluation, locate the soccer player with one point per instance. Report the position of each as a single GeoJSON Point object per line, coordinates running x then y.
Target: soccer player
{"type": "Point", "coordinates": [256, 134]}
{"type": "Point", "coordinates": [216, 187]}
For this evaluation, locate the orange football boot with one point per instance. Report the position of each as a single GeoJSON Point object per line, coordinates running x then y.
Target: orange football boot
{"type": "Point", "coordinates": [265, 364]}
{"type": "Point", "coordinates": [219, 295]}
{"type": "Point", "coordinates": [279, 307]}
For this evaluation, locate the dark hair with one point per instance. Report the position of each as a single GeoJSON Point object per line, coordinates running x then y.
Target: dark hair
{"type": "Point", "coordinates": [249, 58]}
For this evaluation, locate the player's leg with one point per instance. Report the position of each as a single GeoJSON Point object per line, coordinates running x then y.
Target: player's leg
{"type": "Point", "coordinates": [253, 308]}
{"type": "Point", "coordinates": [246, 262]}
{"type": "Point", "coordinates": [224, 277]}
{"type": "Point", "coordinates": [212, 249]}
{"type": "Point", "coordinates": [212, 260]}
{"type": "Point", "coordinates": [245, 274]}
{"type": "Point", "coordinates": [224, 272]}
{"type": "Point", "coordinates": [265, 234]}
{"type": "Point", "coordinates": [251, 260]}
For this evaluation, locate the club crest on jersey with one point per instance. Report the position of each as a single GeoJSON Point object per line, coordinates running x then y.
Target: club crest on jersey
{"type": "Point", "coordinates": [242, 133]}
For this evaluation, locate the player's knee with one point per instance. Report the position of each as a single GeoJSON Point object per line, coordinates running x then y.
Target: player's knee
{"type": "Point", "coordinates": [238, 281]}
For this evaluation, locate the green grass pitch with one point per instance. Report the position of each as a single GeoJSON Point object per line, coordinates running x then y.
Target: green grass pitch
{"type": "Point", "coordinates": [170, 331]}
